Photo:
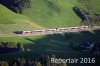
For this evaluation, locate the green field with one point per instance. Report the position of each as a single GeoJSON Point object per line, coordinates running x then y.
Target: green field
{"type": "Point", "coordinates": [53, 13]}
{"type": "Point", "coordinates": [92, 5]}
{"type": "Point", "coordinates": [45, 14]}
{"type": "Point", "coordinates": [10, 22]}
{"type": "Point", "coordinates": [58, 44]}
{"type": "Point", "coordinates": [48, 14]}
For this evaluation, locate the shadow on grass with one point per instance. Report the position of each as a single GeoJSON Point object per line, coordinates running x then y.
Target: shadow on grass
{"type": "Point", "coordinates": [62, 43]}
{"type": "Point", "coordinates": [65, 45]}
{"type": "Point", "coordinates": [49, 43]}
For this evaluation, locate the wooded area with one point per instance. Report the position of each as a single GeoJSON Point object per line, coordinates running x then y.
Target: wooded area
{"type": "Point", "coordinates": [9, 45]}
{"type": "Point", "coordinates": [88, 17]}
{"type": "Point", "coordinates": [43, 60]}
{"type": "Point", "coordinates": [17, 6]}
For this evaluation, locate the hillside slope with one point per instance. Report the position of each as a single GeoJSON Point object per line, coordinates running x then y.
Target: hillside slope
{"type": "Point", "coordinates": [59, 13]}
{"type": "Point", "coordinates": [45, 14]}
{"type": "Point", "coordinates": [9, 21]}
{"type": "Point", "coordinates": [53, 13]}
{"type": "Point", "coordinates": [92, 5]}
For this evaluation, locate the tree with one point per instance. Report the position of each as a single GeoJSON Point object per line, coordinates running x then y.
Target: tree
{"type": "Point", "coordinates": [3, 63]}
{"type": "Point", "coordinates": [62, 64]}
{"type": "Point", "coordinates": [15, 64]}
{"type": "Point", "coordinates": [36, 63]}
{"type": "Point", "coordinates": [17, 6]}
{"type": "Point", "coordinates": [53, 64]}
{"type": "Point", "coordinates": [47, 61]}
{"type": "Point", "coordinates": [21, 62]}
{"type": "Point", "coordinates": [20, 46]}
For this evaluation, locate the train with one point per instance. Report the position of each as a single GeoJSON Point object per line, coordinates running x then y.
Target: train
{"type": "Point", "coordinates": [56, 30]}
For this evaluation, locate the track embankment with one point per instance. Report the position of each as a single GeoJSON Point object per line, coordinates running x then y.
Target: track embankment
{"type": "Point", "coordinates": [74, 29]}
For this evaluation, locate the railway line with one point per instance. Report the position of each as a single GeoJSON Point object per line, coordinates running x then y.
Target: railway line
{"type": "Point", "coordinates": [57, 30]}
{"type": "Point", "coordinates": [51, 31]}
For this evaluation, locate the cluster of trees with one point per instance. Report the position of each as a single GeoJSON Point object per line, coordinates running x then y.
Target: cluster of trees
{"type": "Point", "coordinates": [43, 60]}
{"type": "Point", "coordinates": [3, 63]}
{"type": "Point", "coordinates": [88, 17]}
{"type": "Point", "coordinates": [91, 47]}
{"type": "Point", "coordinates": [12, 45]}
{"type": "Point", "coordinates": [17, 6]}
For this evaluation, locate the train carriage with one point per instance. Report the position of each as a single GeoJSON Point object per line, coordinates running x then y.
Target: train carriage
{"type": "Point", "coordinates": [84, 27]}
{"type": "Point", "coordinates": [62, 29]}
{"type": "Point", "coordinates": [49, 30]}
{"type": "Point", "coordinates": [37, 31]}
{"type": "Point", "coordinates": [26, 32]}
{"type": "Point", "coordinates": [74, 28]}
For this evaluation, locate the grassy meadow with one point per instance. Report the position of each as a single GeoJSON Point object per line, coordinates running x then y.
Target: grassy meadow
{"type": "Point", "coordinates": [59, 44]}
{"type": "Point", "coordinates": [48, 14]}
{"type": "Point", "coordinates": [44, 14]}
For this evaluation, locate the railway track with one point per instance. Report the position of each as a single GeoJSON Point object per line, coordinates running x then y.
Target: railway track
{"type": "Point", "coordinates": [52, 31]}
